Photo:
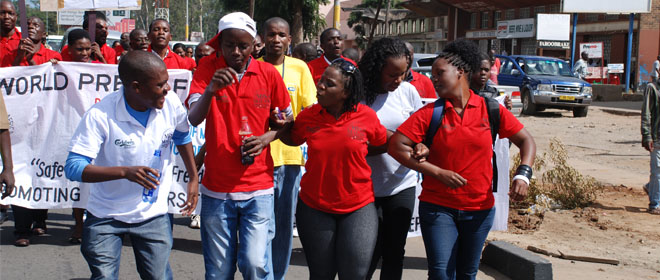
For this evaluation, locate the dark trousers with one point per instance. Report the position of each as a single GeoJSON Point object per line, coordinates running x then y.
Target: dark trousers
{"type": "Point", "coordinates": [25, 217]}
{"type": "Point", "coordinates": [394, 214]}
{"type": "Point", "coordinates": [337, 243]}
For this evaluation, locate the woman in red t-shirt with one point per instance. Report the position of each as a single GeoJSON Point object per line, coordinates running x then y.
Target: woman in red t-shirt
{"type": "Point", "coordinates": [336, 216]}
{"type": "Point", "coordinates": [457, 205]}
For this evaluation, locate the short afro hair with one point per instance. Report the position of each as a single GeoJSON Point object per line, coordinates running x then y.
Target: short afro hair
{"type": "Point", "coordinates": [75, 35]}
{"type": "Point", "coordinates": [462, 54]}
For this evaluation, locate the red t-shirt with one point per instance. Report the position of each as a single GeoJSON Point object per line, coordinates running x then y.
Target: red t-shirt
{"type": "Point", "coordinates": [258, 93]}
{"type": "Point", "coordinates": [337, 178]}
{"type": "Point", "coordinates": [175, 61]}
{"type": "Point", "coordinates": [7, 45]}
{"type": "Point", "coordinates": [495, 70]}
{"type": "Point", "coordinates": [463, 146]}
{"type": "Point", "coordinates": [42, 56]}
{"type": "Point", "coordinates": [423, 85]}
{"type": "Point", "coordinates": [317, 67]}
{"type": "Point", "coordinates": [107, 52]}
{"type": "Point", "coordinates": [118, 50]}
{"type": "Point", "coordinates": [191, 63]}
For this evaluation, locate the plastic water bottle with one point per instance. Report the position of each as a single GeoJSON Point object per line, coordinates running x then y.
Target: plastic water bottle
{"type": "Point", "coordinates": [152, 195]}
{"type": "Point", "coordinates": [244, 133]}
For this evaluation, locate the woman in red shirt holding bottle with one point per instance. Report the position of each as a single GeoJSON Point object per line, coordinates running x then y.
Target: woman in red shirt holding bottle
{"type": "Point", "coordinates": [336, 216]}
{"type": "Point", "coordinates": [457, 205]}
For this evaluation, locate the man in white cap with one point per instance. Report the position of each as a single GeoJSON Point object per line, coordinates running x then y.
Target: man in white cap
{"type": "Point", "coordinates": [237, 94]}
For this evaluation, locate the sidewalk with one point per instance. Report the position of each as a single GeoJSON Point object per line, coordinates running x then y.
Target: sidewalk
{"type": "Point", "coordinates": [52, 257]}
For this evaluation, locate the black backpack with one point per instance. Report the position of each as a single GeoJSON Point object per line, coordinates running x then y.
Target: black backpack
{"type": "Point", "coordinates": [493, 108]}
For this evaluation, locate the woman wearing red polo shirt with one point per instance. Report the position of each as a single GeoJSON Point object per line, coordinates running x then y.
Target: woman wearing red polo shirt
{"type": "Point", "coordinates": [456, 205]}
{"type": "Point", "coordinates": [336, 216]}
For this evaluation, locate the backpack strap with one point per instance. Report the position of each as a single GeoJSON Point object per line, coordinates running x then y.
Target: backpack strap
{"type": "Point", "coordinates": [493, 108]}
{"type": "Point", "coordinates": [436, 120]}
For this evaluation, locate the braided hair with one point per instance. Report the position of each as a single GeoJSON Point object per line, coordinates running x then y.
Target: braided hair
{"type": "Point", "coordinates": [374, 60]}
{"type": "Point", "coordinates": [353, 83]}
{"type": "Point", "coordinates": [462, 54]}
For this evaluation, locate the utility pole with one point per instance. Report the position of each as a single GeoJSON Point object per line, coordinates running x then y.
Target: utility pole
{"type": "Point", "coordinates": [187, 26]}
{"type": "Point", "coordinates": [387, 19]}
{"type": "Point", "coordinates": [335, 18]}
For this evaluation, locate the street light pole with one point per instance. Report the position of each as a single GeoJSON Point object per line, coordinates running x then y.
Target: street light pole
{"type": "Point", "coordinates": [335, 18]}
{"type": "Point", "coordinates": [187, 38]}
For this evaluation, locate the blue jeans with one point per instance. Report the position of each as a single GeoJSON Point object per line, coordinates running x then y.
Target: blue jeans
{"type": "Point", "coordinates": [102, 242]}
{"type": "Point", "coordinates": [237, 231]}
{"type": "Point", "coordinates": [287, 184]}
{"type": "Point", "coordinates": [654, 182]}
{"type": "Point", "coordinates": [453, 239]}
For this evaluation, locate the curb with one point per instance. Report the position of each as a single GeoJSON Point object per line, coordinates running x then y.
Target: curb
{"type": "Point", "coordinates": [515, 262]}
{"type": "Point", "coordinates": [621, 112]}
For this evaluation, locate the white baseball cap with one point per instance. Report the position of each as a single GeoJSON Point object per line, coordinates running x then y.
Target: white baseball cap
{"type": "Point", "coordinates": [240, 21]}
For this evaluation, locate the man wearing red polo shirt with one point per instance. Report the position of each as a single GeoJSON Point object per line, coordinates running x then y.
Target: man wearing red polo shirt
{"type": "Point", "coordinates": [100, 50]}
{"type": "Point", "coordinates": [160, 36]}
{"type": "Point", "coordinates": [421, 82]}
{"type": "Point", "coordinates": [31, 51]}
{"type": "Point", "coordinates": [9, 34]}
{"type": "Point", "coordinates": [236, 94]}
{"type": "Point", "coordinates": [332, 44]}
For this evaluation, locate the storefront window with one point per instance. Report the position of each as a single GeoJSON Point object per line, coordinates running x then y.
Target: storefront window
{"type": "Point", "coordinates": [539, 10]}
{"type": "Point", "coordinates": [510, 13]}
{"type": "Point", "coordinates": [524, 12]}
{"type": "Point", "coordinates": [485, 20]}
{"type": "Point", "coordinates": [497, 16]}
{"type": "Point", "coordinates": [473, 21]}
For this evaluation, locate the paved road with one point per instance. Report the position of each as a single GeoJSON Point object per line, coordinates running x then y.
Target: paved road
{"type": "Point", "coordinates": [51, 257]}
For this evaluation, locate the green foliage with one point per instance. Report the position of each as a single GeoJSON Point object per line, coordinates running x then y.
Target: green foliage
{"type": "Point", "coordinates": [357, 22]}
{"type": "Point", "coordinates": [313, 23]}
{"type": "Point", "coordinates": [561, 182]}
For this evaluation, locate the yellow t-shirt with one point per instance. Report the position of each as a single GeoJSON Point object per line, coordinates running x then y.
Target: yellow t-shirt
{"type": "Point", "coordinates": [302, 91]}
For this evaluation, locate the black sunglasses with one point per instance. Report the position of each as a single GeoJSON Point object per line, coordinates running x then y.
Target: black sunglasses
{"type": "Point", "coordinates": [344, 65]}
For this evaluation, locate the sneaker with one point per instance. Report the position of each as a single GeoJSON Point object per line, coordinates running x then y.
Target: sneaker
{"type": "Point", "coordinates": [195, 221]}
{"type": "Point", "coordinates": [654, 211]}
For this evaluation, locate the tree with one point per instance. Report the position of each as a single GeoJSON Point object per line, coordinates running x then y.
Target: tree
{"type": "Point", "coordinates": [357, 19]}
{"type": "Point", "coordinates": [302, 15]}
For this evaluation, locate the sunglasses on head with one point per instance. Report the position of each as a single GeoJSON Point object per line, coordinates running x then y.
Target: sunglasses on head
{"type": "Point", "coordinates": [345, 65]}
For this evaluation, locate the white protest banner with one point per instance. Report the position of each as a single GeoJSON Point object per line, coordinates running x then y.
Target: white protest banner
{"type": "Point", "coordinates": [45, 104]}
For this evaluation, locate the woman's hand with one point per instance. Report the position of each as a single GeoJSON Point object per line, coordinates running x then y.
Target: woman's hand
{"type": "Point", "coordinates": [451, 179]}
{"type": "Point", "coordinates": [518, 190]}
{"type": "Point", "coordinates": [420, 152]}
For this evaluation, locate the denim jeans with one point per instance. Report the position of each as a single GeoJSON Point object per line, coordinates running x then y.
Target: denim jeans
{"type": "Point", "coordinates": [102, 242]}
{"type": "Point", "coordinates": [287, 184]}
{"type": "Point", "coordinates": [654, 181]}
{"type": "Point", "coordinates": [394, 214]}
{"type": "Point", "coordinates": [453, 240]}
{"type": "Point", "coordinates": [237, 231]}
{"type": "Point", "coordinates": [337, 243]}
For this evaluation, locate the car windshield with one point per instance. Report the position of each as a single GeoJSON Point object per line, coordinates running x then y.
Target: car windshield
{"type": "Point", "coordinates": [550, 67]}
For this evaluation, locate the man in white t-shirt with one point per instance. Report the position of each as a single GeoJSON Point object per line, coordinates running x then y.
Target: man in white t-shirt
{"type": "Point", "coordinates": [655, 72]}
{"type": "Point", "coordinates": [129, 135]}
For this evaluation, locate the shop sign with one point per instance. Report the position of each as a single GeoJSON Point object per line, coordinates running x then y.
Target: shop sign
{"type": "Point", "coordinates": [594, 50]}
{"type": "Point", "coordinates": [555, 44]}
{"type": "Point", "coordinates": [480, 34]}
{"type": "Point", "coordinates": [518, 28]}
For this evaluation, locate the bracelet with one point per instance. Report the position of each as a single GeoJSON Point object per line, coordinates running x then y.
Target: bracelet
{"type": "Point", "coordinates": [522, 178]}
{"type": "Point", "coordinates": [524, 170]}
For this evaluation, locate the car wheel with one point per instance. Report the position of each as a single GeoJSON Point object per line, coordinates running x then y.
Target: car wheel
{"type": "Point", "coordinates": [528, 108]}
{"type": "Point", "coordinates": [580, 112]}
